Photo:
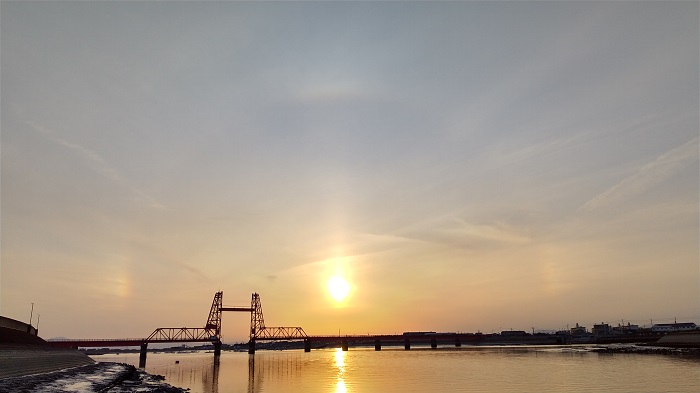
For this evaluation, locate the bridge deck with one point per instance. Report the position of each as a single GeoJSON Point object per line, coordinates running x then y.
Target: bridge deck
{"type": "Point", "coordinates": [116, 342]}
{"type": "Point", "coordinates": [135, 342]}
{"type": "Point", "coordinates": [464, 337]}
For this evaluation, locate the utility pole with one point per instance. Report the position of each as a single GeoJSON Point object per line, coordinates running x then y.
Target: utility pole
{"type": "Point", "coordinates": [31, 314]}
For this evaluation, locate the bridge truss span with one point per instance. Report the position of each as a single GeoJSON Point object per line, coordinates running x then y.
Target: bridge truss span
{"type": "Point", "coordinates": [183, 334]}
{"type": "Point", "coordinates": [281, 333]}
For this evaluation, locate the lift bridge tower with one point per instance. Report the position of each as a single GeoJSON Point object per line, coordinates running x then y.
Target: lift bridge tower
{"type": "Point", "coordinates": [212, 329]}
{"type": "Point", "coordinates": [258, 330]}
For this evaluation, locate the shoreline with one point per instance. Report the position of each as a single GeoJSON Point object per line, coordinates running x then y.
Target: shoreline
{"type": "Point", "coordinates": [105, 377]}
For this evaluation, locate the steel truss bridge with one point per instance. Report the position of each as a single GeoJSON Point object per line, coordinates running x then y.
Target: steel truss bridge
{"type": "Point", "coordinates": [211, 333]}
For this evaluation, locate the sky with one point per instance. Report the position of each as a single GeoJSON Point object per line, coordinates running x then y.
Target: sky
{"type": "Point", "coordinates": [463, 166]}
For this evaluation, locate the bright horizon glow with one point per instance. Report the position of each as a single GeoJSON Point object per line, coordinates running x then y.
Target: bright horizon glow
{"type": "Point", "coordinates": [338, 288]}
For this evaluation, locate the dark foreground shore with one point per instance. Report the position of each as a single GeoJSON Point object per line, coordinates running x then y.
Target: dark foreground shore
{"type": "Point", "coordinates": [98, 377]}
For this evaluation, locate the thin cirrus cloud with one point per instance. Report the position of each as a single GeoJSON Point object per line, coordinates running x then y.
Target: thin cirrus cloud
{"type": "Point", "coordinates": [647, 177]}
{"type": "Point", "coordinates": [97, 163]}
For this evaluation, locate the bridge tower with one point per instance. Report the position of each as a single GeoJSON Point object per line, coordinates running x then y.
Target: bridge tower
{"type": "Point", "coordinates": [214, 321]}
{"type": "Point", "coordinates": [257, 321]}
{"type": "Point", "coordinates": [258, 330]}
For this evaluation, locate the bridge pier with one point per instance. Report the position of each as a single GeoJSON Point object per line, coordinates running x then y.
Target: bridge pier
{"type": "Point", "coordinates": [307, 345]}
{"type": "Point", "coordinates": [142, 355]}
{"type": "Point", "coordinates": [458, 342]}
{"type": "Point", "coordinates": [251, 347]}
{"type": "Point", "coordinates": [433, 343]}
{"type": "Point", "coordinates": [406, 344]}
{"type": "Point", "coordinates": [217, 349]}
{"type": "Point", "coordinates": [377, 345]}
{"type": "Point", "coordinates": [344, 345]}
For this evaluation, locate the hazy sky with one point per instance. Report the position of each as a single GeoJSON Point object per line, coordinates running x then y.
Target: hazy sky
{"type": "Point", "coordinates": [465, 166]}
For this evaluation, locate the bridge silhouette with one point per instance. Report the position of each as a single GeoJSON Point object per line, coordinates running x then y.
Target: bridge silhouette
{"type": "Point", "coordinates": [211, 333]}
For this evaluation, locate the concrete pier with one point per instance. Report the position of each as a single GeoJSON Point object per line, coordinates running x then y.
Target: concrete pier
{"type": "Point", "coordinates": [377, 345]}
{"type": "Point", "coordinates": [142, 355]}
{"type": "Point", "coordinates": [433, 343]}
{"type": "Point", "coordinates": [344, 345]}
{"type": "Point", "coordinates": [407, 344]}
{"type": "Point", "coordinates": [251, 347]}
{"type": "Point", "coordinates": [307, 345]}
{"type": "Point", "coordinates": [458, 342]}
{"type": "Point", "coordinates": [217, 348]}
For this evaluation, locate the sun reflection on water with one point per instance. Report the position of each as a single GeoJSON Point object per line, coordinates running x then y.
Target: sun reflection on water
{"type": "Point", "coordinates": [340, 360]}
{"type": "Point", "coordinates": [340, 364]}
{"type": "Point", "coordinates": [340, 386]}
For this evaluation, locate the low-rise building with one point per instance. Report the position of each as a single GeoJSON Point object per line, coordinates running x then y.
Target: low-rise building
{"type": "Point", "coordinates": [626, 329]}
{"type": "Point", "coordinates": [674, 327]}
{"type": "Point", "coordinates": [514, 333]}
{"type": "Point", "coordinates": [601, 329]}
{"type": "Point", "coordinates": [578, 330]}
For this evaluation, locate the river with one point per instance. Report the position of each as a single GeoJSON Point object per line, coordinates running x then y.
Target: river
{"type": "Point", "coordinates": [466, 369]}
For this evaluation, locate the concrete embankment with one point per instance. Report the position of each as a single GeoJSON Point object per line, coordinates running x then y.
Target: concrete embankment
{"type": "Point", "coordinates": [29, 364]}
{"type": "Point", "coordinates": [22, 353]}
{"type": "Point", "coordinates": [19, 360]}
{"type": "Point", "coordinates": [681, 339]}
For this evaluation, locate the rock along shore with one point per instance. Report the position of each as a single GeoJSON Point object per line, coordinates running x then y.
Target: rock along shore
{"type": "Point", "coordinates": [99, 377]}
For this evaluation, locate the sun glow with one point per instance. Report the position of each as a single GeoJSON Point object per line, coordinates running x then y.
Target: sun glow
{"type": "Point", "coordinates": [339, 288]}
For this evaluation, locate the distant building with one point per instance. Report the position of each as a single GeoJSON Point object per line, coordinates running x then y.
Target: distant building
{"type": "Point", "coordinates": [626, 329]}
{"type": "Point", "coordinates": [578, 330]}
{"type": "Point", "coordinates": [514, 333]}
{"type": "Point", "coordinates": [674, 327]}
{"type": "Point", "coordinates": [601, 329]}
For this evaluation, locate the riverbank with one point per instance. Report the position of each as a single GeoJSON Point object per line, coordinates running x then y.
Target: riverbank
{"type": "Point", "coordinates": [98, 377]}
{"type": "Point", "coordinates": [646, 349]}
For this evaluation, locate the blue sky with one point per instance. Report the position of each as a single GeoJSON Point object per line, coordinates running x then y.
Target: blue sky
{"type": "Point", "coordinates": [464, 165]}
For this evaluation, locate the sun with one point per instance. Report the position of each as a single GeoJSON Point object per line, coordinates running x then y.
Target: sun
{"type": "Point", "coordinates": [339, 288]}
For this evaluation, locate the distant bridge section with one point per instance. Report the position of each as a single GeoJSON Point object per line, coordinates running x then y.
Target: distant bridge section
{"type": "Point", "coordinates": [211, 332]}
{"type": "Point", "coordinates": [97, 343]}
{"type": "Point", "coordinates": [407, 339]}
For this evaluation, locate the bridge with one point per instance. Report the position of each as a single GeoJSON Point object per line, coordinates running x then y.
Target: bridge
{"type": "Point", "coordinates": [211, 333]}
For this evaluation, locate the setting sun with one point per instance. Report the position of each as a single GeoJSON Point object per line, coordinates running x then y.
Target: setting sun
{"type": "Point", "coordinates": [338, 287]}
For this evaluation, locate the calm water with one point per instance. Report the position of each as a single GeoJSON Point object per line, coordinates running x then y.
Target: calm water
{"type": "Point", "coordinates": [481, 369]}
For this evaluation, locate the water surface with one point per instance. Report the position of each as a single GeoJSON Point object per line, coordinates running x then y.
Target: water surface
{"type": "Point", "coordinates": [466, 369]}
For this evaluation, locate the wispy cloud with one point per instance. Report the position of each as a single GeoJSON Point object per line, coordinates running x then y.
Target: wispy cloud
{"type": "Point", "coordinates": [458, 233]}
{"type": "Point", "coordinates": [648, 176]}
{"type": "Point", "coordinates": [97, 163]}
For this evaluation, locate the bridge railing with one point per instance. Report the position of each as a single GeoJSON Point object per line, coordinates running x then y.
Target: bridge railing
{"type": "Point", "coordinates": [81, 340]}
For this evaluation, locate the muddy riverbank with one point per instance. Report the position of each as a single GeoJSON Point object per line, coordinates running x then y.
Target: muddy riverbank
{"type": "Point", "coordinates": [98, 377]}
